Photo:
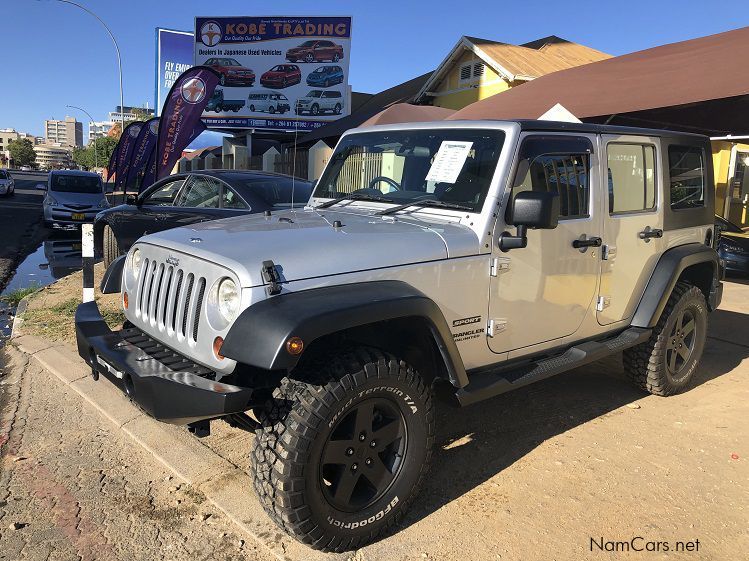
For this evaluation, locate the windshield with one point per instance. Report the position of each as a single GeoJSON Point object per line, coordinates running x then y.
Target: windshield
{"type": "Point", "coordinates": [308, 43]}
{"type": "Point", "coordinates": [448, 165]}
{"type": "Point", "coordinates": [314, 93]}
{"type": "Point", "coordinates": [75, 184]}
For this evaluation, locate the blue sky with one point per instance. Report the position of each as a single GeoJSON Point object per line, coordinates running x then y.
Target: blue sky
{"type": "Point", "coordinates": [54, 54]}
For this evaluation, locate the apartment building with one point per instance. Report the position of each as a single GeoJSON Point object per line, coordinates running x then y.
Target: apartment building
{"type": "Point", "coordinates": [66, 133]}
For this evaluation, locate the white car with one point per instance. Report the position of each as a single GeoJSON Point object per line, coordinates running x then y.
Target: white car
{"type": "Point", "coordinates": [72, 197]}
{"type": "Point", "coordinates": [7, 185]}
{"type": "Point", "coordinates": [268, 102]}
{"type": "Point", "coordinates": [320, 101]}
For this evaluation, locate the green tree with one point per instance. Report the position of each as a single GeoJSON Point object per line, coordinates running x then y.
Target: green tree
{"type": "Point", "coordinates": [22, 152]}
{"type": "Point", "coordinates": [84, 157]}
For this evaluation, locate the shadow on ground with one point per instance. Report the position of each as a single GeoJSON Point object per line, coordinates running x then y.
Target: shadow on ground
{"type": "Point", "coordinates": [478, 442]}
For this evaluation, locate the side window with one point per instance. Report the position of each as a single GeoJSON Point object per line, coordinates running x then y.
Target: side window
{"type": "Point", "coordinates": [558, 164]}
{"type": "Point", "coordinates": [631, 177]}
{"type": "Point", "coordinates": [200, 192]}
{"type": "Point", "coordinates": [686, 169]}
{"type": "Point", "coordinates": [231, 200]}
{"type": "Point", "coordinates": [165, 195]}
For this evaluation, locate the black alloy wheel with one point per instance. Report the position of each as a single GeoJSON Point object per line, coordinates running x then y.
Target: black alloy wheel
{"type": "Point", "coordinates": [680, 345]}
{"type": "Point", "coordinates": [363, 455]}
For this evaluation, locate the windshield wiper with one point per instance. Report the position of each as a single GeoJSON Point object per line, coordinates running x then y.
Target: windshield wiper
{"type": "Point", "coordinates": [354, 197]}
{"type": "Point", "coordinates": [424, 202]}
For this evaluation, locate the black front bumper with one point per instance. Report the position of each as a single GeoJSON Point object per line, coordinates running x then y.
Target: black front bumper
{"type": "Point", "coordinates": [165, 385]}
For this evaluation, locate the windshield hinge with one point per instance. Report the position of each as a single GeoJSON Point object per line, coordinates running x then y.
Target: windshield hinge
{"type": "Point", "coordinates": [495, 326]}
{"type": "Point", "coordinates": [603, 303]}
{"type": "Point", "coordinates": [499, 265]}
{"type": "Point", "coordinates": [271, 276]}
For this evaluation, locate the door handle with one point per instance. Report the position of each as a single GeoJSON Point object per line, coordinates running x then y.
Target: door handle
{"type": "Point", "coordinates": [590, 242]}
{"type": "Point", "coordinates": [648, 233]}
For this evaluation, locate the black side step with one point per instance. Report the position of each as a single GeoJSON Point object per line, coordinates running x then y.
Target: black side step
{"type": "Point", "coordinates": [488, 384]}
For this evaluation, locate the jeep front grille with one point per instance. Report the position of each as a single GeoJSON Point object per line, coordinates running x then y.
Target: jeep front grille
{"type": "Point", "coordinates": [167, 298]}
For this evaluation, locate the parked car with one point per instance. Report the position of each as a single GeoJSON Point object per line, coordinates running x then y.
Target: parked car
{"type": "Point", "coordinates": [325, 76]}
{"type": "Point", "coordinates": [733, 245]}
{"type": "Point", "coordinates": [268, 102]}
{"type": "Point", "coordinates": [232, 73]}
{"type": "Point", "coordinates": [319, 101]}
{"type": "Point", "coordinates": [491, 262]}
{"type": "Point", "coordinates": [72, 197]}
{"type": "Point", "coordinates": [218, 104]}
{"type": "Point", "coordinates": [315, 50]}
{"type": "Point", "coordinates": [25, 168]}
{"type": "Point", "coordinates": [186, 198]}
{"type": "Point", "coordinates": [281, 76]}
{"type": "Point", "coordinates": [7, 184]}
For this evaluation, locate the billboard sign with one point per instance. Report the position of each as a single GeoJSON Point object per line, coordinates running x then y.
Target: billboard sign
{"type": "Point", "coordinates": [174, 55]}
{"type": "Point", "coordinates": [275, 72]}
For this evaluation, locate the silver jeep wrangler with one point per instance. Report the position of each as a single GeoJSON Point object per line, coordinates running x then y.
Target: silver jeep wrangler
{"type": "Point", "coordinates": [470, 257]}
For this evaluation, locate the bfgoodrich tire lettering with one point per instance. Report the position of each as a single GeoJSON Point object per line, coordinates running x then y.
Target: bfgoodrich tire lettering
{"type": "Point", "coordinates": [308, 422]}
{"type": "Point", "coordinates": [665, 364]}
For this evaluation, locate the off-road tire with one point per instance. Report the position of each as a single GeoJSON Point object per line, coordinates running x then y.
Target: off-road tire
{"type": "Point", "coordinates": [646, 363]}
{"type": "Point", "coordinates": [110, 247]}
{"type": "Point", "coordinates": [287, 456]}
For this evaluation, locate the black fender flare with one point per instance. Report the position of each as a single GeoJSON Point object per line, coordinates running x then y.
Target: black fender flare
{"type": "Point", "coordinates": [667, 273]}
{"type": "Point", "coordinates": [258, 336]}
{"type": "Point", "coordinates": [111, 282]}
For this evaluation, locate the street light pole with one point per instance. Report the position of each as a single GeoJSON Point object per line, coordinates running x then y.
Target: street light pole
{"type": "Point", "coordinates": [116, 48]}
{"type": "Point", "coordinates": [91, 122]}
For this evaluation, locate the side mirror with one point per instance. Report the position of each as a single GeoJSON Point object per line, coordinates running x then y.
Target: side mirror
{"type": "Point", "coordinates": [530, 209]}
{"type": "Point", "coordinates": [131, 200]}
{"type": "Point", "coordinates": [41, 187]}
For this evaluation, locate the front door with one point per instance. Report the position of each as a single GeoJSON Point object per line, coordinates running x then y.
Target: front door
{"type": "Point", "coordinates": [632, 224]}
{"type": "Point", "coordinates": [542, 292]}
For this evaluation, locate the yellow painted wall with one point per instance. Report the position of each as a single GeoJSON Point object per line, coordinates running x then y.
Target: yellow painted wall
{"type": "Point", "coordinates": [737, 212]}
{"type": "Point", "coordinates": [454, 95]}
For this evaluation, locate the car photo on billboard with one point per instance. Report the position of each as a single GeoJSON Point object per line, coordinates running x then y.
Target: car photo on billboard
{"type": "Point", "coordinates": [281, 76]}
{"type": "Point", "coordinates": [232, 73]}
{"type": "Point", "coordinates": [268, 102]}
{"type": "Point", "coordinates": [219, 104]}
{"type": "Point", "coordinates": [315, 50]}
{"type": "Point", "coordinates": [317, 102]}
{"type": "Point", "coordinates": [325, 76]}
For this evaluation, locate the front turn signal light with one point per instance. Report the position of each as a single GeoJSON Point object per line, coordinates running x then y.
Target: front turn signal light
{"type": "Point", "coordinates": [124, 300]}
{"type": "Point", "coordinates": [217, 342]}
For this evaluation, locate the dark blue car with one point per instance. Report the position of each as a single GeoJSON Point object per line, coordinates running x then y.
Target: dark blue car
{"type": "Point", "coordinates": [325, 76]}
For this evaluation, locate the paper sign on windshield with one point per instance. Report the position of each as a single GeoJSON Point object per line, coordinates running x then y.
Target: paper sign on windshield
{"type": "Point", "coordinates": [449, 161]}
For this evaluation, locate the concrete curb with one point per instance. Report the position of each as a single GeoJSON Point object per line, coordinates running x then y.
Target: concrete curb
{"type": "Point", "coordinates": [226, 486]}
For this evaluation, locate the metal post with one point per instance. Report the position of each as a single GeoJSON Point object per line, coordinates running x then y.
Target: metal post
{"type": "Point", "coordinates": [119, 60]}
{"type": "Point", "coordinates": [87, 251]}
{"type": "Point", "coordinates": [96, 156]}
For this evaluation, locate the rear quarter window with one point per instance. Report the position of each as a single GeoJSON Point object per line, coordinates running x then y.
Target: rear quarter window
{"type": "Point", "coordinates": [687, 176]}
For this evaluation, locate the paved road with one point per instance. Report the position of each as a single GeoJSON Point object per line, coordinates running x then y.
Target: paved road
{"type": "Point", "coordinates": [21, 229]}
{"type": "Point", "coordinates": [74, 488]}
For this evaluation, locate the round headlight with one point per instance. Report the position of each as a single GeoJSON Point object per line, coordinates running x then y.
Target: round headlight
{"type": "Point", "coordinates": [135, 262]}
{"type": "Point", "coordinates": [228, 299]}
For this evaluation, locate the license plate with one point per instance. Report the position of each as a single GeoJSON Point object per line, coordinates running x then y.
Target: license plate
{"type": "Point", "coordinates": [78, 216]}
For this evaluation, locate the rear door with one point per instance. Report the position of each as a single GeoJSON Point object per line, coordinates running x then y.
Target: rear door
{"type": "Point", "coordinates": [543, 292]}
{"type": "Point", "coordinates": [632, 223]}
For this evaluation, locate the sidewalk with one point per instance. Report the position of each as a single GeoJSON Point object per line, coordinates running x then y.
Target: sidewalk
{"type": "Point", "coordinates": [539, 473]}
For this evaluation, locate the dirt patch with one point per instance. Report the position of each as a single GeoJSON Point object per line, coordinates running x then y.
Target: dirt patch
{"type": "Point", "coordinates": [51, 310]}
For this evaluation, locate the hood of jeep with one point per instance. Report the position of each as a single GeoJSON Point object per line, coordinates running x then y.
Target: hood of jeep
{"type": "Point", "coordinates": [305, 244]}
